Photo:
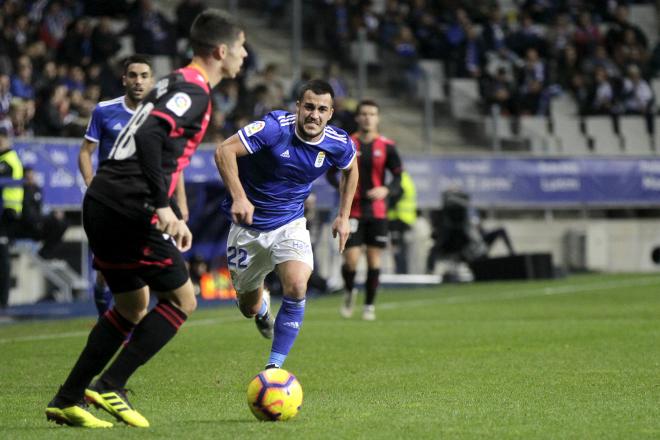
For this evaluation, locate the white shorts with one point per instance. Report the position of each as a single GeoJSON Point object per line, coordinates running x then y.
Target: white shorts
{"type": "Point", "coordinates": [251, 255]}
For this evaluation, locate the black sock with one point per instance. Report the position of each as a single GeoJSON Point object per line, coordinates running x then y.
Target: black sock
{"type": "Point", "coordinates": [373, 278]}
{"type": "Point", "coordinates": [150, 335]}
{"type": "Point", "coordinates": [349, 277]}
{"type": "Point", "coordinates": [103, 342]}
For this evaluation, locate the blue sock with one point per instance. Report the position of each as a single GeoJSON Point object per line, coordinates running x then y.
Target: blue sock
{"type": "Point", "coordinates": [102, 298]}
{"type": "Point", "coordinates": [287, 326]}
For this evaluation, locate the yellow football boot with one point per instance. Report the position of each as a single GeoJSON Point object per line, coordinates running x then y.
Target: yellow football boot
{"type": "Point", "coordinates": [74, 415]}
{"type": "Point", "coordinates": [116, 403]}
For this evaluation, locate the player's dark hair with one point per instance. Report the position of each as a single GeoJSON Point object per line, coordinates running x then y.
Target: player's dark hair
{"type": "Point", "coordinates": [210, 28]}
{"type": "Point", "coordinates": [137, 58]}
{"type": "Point", "coordinates": [368, 103]}
{"type": "Point", "coordinates": [316, 86]}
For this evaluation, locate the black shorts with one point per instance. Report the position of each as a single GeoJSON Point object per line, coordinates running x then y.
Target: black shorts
{"type": "Point", "coordinates": [131, 254]}
{"type": "Point", "coordinates": [372, 232]}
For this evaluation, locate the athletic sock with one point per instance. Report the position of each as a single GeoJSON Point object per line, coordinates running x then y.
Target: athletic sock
{"type": "Point", "coordinates": [103, 342]}
{"type": "Point", "coordinates": [102, 298]}
{"type": "Point", "coordinates": [263, 311]}
{"type": "Point", "coordinates": [150, 335]}
{"type": "Point", "coordinates": [373, 279]}
{"type": "Point", "coordinates": [349, 277]}
{"type": "Point", "coordinates": [287, 326]}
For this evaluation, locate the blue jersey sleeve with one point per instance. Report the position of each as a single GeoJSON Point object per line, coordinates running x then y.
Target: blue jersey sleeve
{"type": "Point", "coordinates": [93, 132]}
{"type": "Point", "coordinates": [260, 134]}
{"type": "Point", "coordinates": [343, 158]}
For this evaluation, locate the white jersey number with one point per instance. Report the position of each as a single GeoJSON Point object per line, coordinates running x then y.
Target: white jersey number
{"type": "Point", "coordinates": [124, 146]}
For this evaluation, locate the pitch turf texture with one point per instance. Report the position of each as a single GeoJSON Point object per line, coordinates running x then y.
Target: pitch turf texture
{"type": "Point", "coordinates": [572, 358]}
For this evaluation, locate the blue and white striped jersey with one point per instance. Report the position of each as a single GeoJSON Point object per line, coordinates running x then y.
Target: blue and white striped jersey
{"type": "Point", "coordinates": [278, 173]}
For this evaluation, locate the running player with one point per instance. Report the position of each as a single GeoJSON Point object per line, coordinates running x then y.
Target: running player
{"type": "Point", "coordinates": [268, 168]}
{"type": "Point", "coordinates": [134, 232]}
{"type": "Point", "coordinates": [376, 154]}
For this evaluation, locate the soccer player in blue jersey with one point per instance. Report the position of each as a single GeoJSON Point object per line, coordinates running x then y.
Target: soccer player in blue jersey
{"type": "Point", "coordinates": [107, 121]}
{"type": "Point", "coordinates": [268, 168]}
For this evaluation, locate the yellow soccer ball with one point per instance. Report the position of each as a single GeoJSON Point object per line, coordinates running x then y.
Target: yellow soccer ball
{"type": "Point", "coordinates": [274, 395]}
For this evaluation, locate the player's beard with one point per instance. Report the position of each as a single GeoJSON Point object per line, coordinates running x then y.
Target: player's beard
{"type": "Point", "coordinates": [308, 135]}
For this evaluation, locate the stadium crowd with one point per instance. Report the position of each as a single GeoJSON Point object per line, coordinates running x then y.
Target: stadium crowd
{"type": "Point", "coordinates": [64, 56]}
{"type": "Point", "coordinates": [521, 57]}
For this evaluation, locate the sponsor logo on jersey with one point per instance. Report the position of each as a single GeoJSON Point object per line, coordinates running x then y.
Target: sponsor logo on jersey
{"type": "Point", "coordinates": [319, 159]}
{"type": "Point", "coordinates": [179, 103]}
{"type": "Point", "coordinates": [285, 154]}
{"type": "Point", "coordinates": [254, 127]}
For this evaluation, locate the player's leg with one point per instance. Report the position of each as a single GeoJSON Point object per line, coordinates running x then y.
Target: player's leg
{"type": "Point", "coordinates": [294, 276]}
{"type": "Point", "coordinates": [376, 239]}
{"type": "Point", "coordinates": [102, 294]}
{"type": "Point", "coordinates": [249, 262]}
{"type": "Point", "coordinates": [291, 250]}
{"type": "Point", "coordinates": [351, 256]}
{"type": "Point", "coordinates": [103, 342]}
{"type": "Point", "coordinates": [176, 301]}
{"type": "Point", "coordinates": [372, 283]}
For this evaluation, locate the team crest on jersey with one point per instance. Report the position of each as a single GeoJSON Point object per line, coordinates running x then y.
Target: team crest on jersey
{"type": "Point", "coordinates": [318, 163]}
{"type": "Point", "coordinates": [179, 103]}
{"type": "Point", "coordinates": [254, 127]}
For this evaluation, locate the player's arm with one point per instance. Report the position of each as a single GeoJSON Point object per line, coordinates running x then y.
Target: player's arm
{"type": "Point", "coordinates": [394, 165]}
{"type": "Point", "coordinates": [226, 155]}
{"type": "Point", "coordinates": [347, 185]}
{"type": "Point", "coordinates": [181, 199]}
{"type": "Point", "coordinates": [151, 137]}
{"type": "Point", "coordinates": [85, 160]}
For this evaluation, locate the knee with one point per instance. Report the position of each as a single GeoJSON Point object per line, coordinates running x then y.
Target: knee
{"type": "Point", "coordinates": [296, 288]}
{"type": "Point", "coordinates": [248, 310]}
{"type": "Point", "coordinates": [188, 304]}
{"type": "Point", "coordinates": [133, 313]}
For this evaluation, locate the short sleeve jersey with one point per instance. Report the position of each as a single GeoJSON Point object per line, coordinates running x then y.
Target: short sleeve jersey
{"type": "Point", "coordinates": [107, 121]}
{"type": "Point", "coordinates": [278, 173]}
{"type": "Point", "coordinates": [182, 100]}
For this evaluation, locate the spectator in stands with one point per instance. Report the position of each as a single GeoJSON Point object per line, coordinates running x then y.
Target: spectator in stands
{"type": "Point", "coordinates": [105, 42]}
{"type": "Point", "coordinates": [54, 25]}
{"type": "Point", "coordinates": [581, 93]}
{"type": "Point", "coordinates": [567, 66]}
{"type": "Point", "coordinates": [500, 91]}
{"type": "Point", "coordinates": [587, 36]}
{"type": "Point", "coordinates": [637, 94]}
{"type": "Point", "coordinates": [494, 31]}
{"type": "Point", "coordinates": [152, 33]}
{"type": "Point", "coordinates": [471, 54]}
{"type": "Point", "coordinates": [560, 34]}
{"type": "Point", "coordinates": [427, 33]}
{"type": "Point", "coordinates": [35, 223]}
{"type": "Point", "coordinates": [528, 36]}
{"type": "Point", "coordinates": [53, 115]}
{"type": "Point", "coordinates": [602, 95]}
{"type": "Point", "coordinates": [21, 113]}
{"type": "Point", "coordinates": [5, 95]}
{"type": "Point", "coordinates": [601, 59]}
{"type": "Point", "coordinates": [616, 33]}
{"type": "Point", "coordinates": [186, 11]}
{"type": "Point", "coordinates": [532, 83]}
{"type": "Point", "coordinates": [21, 82]}
{"type": "Point", "coordinates": [76, 47]}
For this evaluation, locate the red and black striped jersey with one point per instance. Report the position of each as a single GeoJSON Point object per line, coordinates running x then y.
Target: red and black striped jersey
{"type": "Point", "coordinates": [147, 158]}
{"type": "Point", "coordinates": [373, 159]}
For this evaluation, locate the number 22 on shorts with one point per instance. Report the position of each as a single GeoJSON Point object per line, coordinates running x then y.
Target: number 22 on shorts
{"type": "Point", "coordinates": [236, 257]}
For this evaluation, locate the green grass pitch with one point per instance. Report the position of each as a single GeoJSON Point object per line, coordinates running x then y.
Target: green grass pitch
{"type": "Point", "coordinates": [573, 358]}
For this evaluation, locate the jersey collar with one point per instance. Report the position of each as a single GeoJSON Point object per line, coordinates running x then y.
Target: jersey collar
{"type": "Point", "coordinates": [126, 107]}
{"type": "Point", "coordinates": [200, 69]}
{"type": "Point", "coordinates": [308, 142]}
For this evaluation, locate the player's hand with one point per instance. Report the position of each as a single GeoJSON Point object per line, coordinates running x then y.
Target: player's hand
{"type": "Point", "coordinates": [378, 193]}
{"type": "Point", "coordinates": [342, 228]}
{"type": "Point", "coordinates": [183, 238]}
{"type": "Point", "coordinates": [168, 223]}
{"type": "Point", "coordinates": [242, 211]}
